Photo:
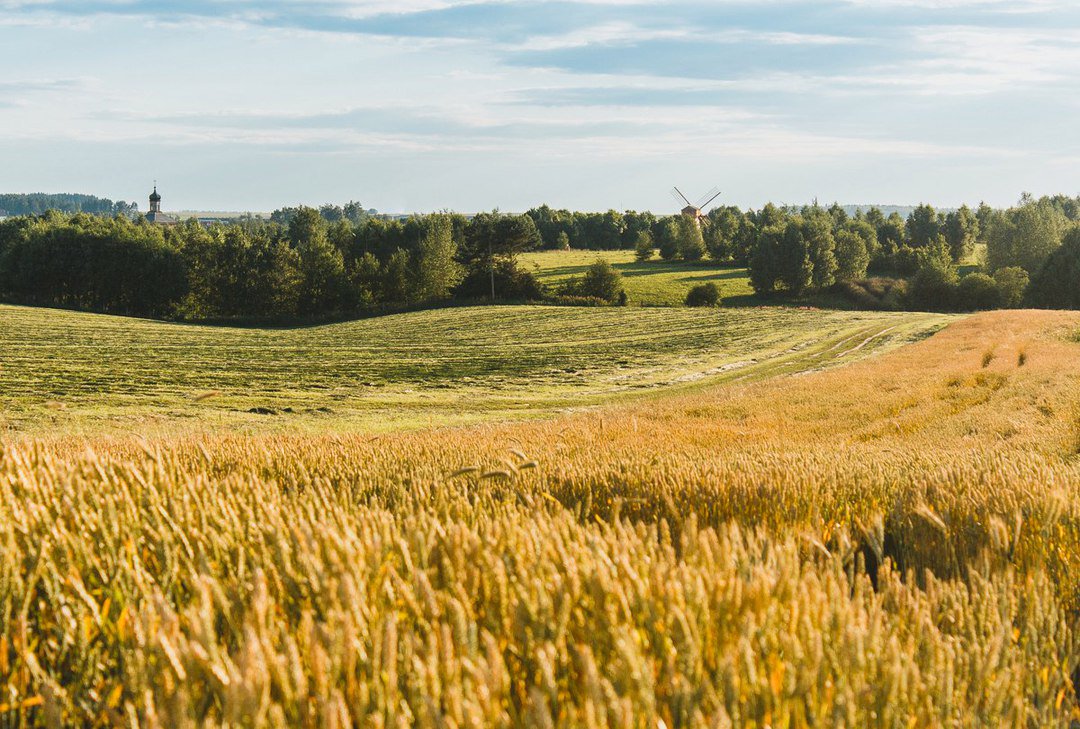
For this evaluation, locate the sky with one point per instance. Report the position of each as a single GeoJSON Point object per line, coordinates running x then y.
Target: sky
{"type": "Point", "coordinates": [467, 105]}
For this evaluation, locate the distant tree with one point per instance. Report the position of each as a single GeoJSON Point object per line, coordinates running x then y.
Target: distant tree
{"type": "Point", "coordinates": [321, 265]}
{"type": "Point", "coordinates": [1024, 236]}
{"type": "Point", "coordinates": [667, 237]}
{"type": "Point", "coordinates": [977, 292]}
{"type": "Point", "coordinates": [1012, 282]}
{"type": "Point", "coordinates": [821, 246]}
{"type": "Point", "coordinates": [600, 280]}
{"type": "Point", "coordinates": [395, 277]}
{"type": "Point", "coordinates": [961, 230]}
{"type": "Point", "coordinates": [437, 271]}
{"type": "Point", "coordinates": [643, 247]}
{"type": "Point", "coordinates": [923, 226]}
{"type": "Point", "coordinates": [691, 244]}
{"type": "Point", "coordinates": [1057, 283]}
{"type": "Point", "coordinates": [562, 241]}
{"type": "Point", "coordinates": [851, 256]}
{"type": "Point", "coordinates": [934, 288]}
{"type": "Point", "coordinates": [721, 233]}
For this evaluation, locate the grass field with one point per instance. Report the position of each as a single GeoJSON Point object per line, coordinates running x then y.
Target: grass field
{"type": "Point", "coordinates": [73, 372]}
{"type": "Point", "coordinates": [649, 283]}
{"type": "Point", "coordinates": [894, 542]}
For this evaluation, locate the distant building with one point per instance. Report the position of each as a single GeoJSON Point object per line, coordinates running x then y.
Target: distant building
{"type": "Point", "coordinates": [155, 215]}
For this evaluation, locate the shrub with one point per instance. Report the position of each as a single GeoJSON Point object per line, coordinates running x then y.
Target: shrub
{"type": "Point", "coordinates": [600, 280]}
{"type": "Point", "coordinates": [934, 288]}
{"type": "Point", "coordinates": [1012, 282]}
{"type": "Point", "coordinates": [511, 282]}
{"type": "Point", "coordinates": [706, 294]}
{"type": "Point", "coordinates": [877, 294]}
{"type": "Point", "coordinates": [977, 292]}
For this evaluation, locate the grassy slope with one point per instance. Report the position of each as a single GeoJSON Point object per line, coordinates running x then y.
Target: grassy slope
{"type": "Point", "coordinates": [65, 371]}
{"type": "Point", "coordinates": [651, 283]}
{"type": "Point", "coordinates": [481, 575]}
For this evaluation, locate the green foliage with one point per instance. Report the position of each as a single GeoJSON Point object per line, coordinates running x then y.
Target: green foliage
{"type": "Point", "coordinates": [1024, 236]}
{"type": "Point", "coordinates": [1057, 283]}
{"type": "Point", "coordinates": [852, 257]}
{"type": "Point", "coordinates": [924, 226]}
{"type": "Point", "coordinates": [643, 247]}
{"type": "Point", "coordinates": [707, 294]}
{"type": "Point", "coordinates": [1012, 282]}
{"type": "Point", "coordinates": [87, 262]}
{"type": "Point", "coordinates": [691, 243]}
{"type": "Point", "coordinates": [961, 230]}
{"type": "Point", "coordinates": [38, 202]}
{"type": "Point", "coordinates": [667, 237]}
{"type": "Point", "coordinates": [977, 292]}
{"type": "Point", "coordinates": [437, 270]}
{"type": "Point", "coordinates": [881, 294]}
{"type": "Point", "coordinates": [934, 288]}
{"type": "Point", "coordinates": [600, 281]}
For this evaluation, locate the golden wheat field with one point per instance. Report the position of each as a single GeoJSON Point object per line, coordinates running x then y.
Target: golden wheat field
{"type": "Point", "coordinates": [892, 543]}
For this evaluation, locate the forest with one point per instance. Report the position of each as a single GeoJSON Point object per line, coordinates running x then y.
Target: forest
{"type": "Point", "coordinates": [334, 261]}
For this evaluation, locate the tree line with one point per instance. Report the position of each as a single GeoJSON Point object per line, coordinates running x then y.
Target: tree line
{"type": "Point", "coordinates": [340, 260]}
{"type": "Point", "coordinates": [307, 267]}
{"type": "Point", "coordinates": [37, 203]}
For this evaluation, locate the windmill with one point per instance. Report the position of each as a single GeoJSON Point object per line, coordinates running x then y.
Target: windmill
{"type": "Point", "coordinates": [696, 212]}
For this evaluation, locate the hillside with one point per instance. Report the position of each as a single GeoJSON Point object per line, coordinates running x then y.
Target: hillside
{"type": "Point", "coordinates": [65, 371]}
{"type": "Point", "coordinates": [890, 543]}
{"type": "Point", "coordinates": [647, 283]}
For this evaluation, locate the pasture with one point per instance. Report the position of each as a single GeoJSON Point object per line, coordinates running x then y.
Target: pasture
{"type": "Point", "coordinates": [891, 542]}
{"type": "Point", "coordinates": [647, 283]}
{"type": "Point", "coordinates": [73, 372]}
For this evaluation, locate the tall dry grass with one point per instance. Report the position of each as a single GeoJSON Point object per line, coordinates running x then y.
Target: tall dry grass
{"type": "Point", "coordinates": [891, 544]}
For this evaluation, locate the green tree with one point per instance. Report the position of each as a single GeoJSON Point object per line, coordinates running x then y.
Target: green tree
{"type": "Point", "coordinates": [1024, 236]}
{"type": "Point", "coordinates": [977, 292]}
{"type": "Point", "coordinates": [934, 288]}
{"type": "Point", "coordinates": [923, 226]}
{"type": "Point", "coordinates": [437, 271]}
{"type": "Point", "coordinates": [600, 280]}
{"type": "Point", "coordinates": [322, 267]}
{"type": "Point", "coordinates": [395, 277]}
{"type": "Point", "coordinates": [643, 247]}
{"type": "Point", "coordinates": [691, 244]}
{"type": "Point", "coordinates": [1057, 283]}
{"type": "Point", "coordinates": [1012, 282]}
{"type": "Point", "coordinates": [851, 256]}
{"type": "Point", "coordinates": [961, 230]}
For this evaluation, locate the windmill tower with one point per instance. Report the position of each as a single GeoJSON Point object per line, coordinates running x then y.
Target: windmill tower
{"type": "Point", "coordinates": [696, 212]}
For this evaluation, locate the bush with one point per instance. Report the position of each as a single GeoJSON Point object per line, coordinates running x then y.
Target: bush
{"type": "Point", "coordinates": [875, 294]}
{"type": "Point", "coordinates": [568, 300]}
{"type": "Point", "coordinates": [600, 280]}
{"type": "Point", "coordinates": [511, 282]}
{"type": "Point", "coordinates": [977, 292]}
{"type": "Point", "coordinates": [1011, 282]}
{"type": "Point", "coordinates": [706, 294]}
{"type": "Point", "coordinates": [934, 288]}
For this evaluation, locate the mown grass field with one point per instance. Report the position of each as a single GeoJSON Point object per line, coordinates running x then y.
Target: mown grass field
{"type": "Point", "coordinates": [895, 542]}
{"type": "Point", "coordinates": [72, 372]}
{"type": "Point", "coordinates": [647, 283]}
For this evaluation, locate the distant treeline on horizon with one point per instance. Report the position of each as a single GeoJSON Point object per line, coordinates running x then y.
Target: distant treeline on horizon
{"type": "Point", "coordinates": [36, 203]}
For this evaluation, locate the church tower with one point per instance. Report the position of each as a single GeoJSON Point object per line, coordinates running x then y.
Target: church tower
{"type": "Point", "coordinates": [155, 215]}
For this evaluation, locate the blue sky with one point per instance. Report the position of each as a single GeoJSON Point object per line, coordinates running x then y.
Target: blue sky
{"type": "Point", "coordinates": [414, 105]}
